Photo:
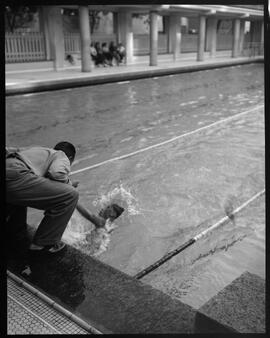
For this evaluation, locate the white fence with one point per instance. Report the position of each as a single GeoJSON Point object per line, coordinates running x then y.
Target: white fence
{"type": "Point", "coordinates": [24, 47]}
{"type": "Point", "coordinates": [72, 43]}
{"type": "Point", "coordinates": [253, 49]}
{"type": "Point", "coordinates": [141, 44]}
{"type": "Point", "coordinates": [27, 47]}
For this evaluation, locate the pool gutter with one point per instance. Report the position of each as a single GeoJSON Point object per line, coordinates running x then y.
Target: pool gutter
{"type": "Point", "coordinates": [71, 82]}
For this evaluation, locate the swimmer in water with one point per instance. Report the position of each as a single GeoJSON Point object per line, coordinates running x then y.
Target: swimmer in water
{"type": "Point", "coordinates": [110, 212]}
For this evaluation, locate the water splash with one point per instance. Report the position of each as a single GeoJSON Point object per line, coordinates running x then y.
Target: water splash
{"type": "Point", "coordinates": [83, 235]}
{"type": "Point", "coordinates": [122, 194]}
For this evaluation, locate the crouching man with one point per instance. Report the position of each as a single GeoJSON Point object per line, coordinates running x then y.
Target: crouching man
{"type": "Point", "coordinates": [38, 177]}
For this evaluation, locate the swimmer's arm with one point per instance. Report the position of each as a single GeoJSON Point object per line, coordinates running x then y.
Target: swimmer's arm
{"type": "Point", "coordinates": [99, 222]}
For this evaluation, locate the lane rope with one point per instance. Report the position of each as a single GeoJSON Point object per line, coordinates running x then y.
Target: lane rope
{"type": "Point", "coordinates": [164, 142]}
{"type": "Point", "coordinates": [191, 241]}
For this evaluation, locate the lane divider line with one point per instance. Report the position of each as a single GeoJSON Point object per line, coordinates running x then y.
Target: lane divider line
{"type": "Point", "coordinates": [191, 241]}
{"type": "Point", "coordinates": [164, 142]}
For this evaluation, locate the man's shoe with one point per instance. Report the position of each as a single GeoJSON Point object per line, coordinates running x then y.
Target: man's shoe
{"type": "Point", "coordinates": [57, 247]}
{"type": "Point", "coordinates": [47, 248]}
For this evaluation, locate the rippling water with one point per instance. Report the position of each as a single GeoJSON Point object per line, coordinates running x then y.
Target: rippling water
{"type": "Point", "coordinates": [198, 273]}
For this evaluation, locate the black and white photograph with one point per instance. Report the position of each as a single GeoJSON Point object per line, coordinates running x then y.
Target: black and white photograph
{"type": "Point", "coordinates": [135, 167]}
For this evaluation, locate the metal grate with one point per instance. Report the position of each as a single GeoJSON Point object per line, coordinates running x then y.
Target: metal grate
{"type": "Point", "coordinates": [28, 314]}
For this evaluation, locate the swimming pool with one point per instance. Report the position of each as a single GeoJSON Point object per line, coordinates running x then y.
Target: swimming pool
{"type": "Point", "coordinates": [198, 142]}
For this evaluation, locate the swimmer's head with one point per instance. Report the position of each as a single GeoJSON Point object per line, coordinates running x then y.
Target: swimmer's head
{"type": "Point", "coordinates": [112, 212]}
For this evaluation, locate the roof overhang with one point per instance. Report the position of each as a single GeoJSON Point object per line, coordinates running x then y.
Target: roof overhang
{"type": "Point", "coordinates": [219, 11]}
{"type": "Point", "coordinates": [216, 10]}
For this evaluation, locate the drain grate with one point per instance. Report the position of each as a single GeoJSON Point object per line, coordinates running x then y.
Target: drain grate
{"type": "Point", "coordinates": [28, 314]}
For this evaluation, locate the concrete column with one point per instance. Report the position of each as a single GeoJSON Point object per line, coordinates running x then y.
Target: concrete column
{"type": "Point", "coordinates": [262, 32]}
{"type": "Point", "coordinates": [167, 31]}
{"type": "Point", "coordinates": [242, 36]}
{"type": "Point", "coordinates": [125, 34]}
{"type": "Point", "coordinates": [252, 31]}
{"type": "Point", "coordinates": [115, 25]}
{"type": "Point", "coordinates": [201, 38]}
{"type": "Point", "coordinates": [256, 31]}
{"type": "Point", "coordinates": [262, 39]}
{"type": "Point", "coordinates": [153, 38]}
{"type": "Point", "coordinates": [211, 36]}
{"type": "Point", "coordinates": [175, 35]}
{"type": "Point", "coordinates": [85, 38]}
{"type": "Point", "coordinates": [43, 27]}
{"type": "Point", "coordinates": [53, 30]}
{"type": "Point", "coordinates": [236, 38]}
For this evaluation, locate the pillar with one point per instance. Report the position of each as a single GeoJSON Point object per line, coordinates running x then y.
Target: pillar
{"type": "Point", "coordinates": [153, 38]}
{"type": "Point", "coordinates": [242, 36]}
{"type": "Point", "coordinates": [54, 37]}
{"type": "Point", "coordinates": [252, 31]}
{"type": "Point", "coordinates": [211, 36]}
{"type": "Point", "coordinates": [256, 31]}
{"type": "Point", "coordinates": [175, 35]}
{"type": "Point", "coordinates": [43, 27]}
{"type": "Point", "coordinates": [262, 39]}
{"type": "Point", "coordinates": [85, 38]}
{"type": "Point", "coordinates": [201, 38]}
{"type": "Point", "coordinates": [115, 25]}
{"type": "Point", "coordinates": [167, 31]}
{"type": "Point", "coordinates": [262, 32]}
{"type": "Point", "coordinates": [236, 38]}
{"type": "Point", "coordinates": [125, 34]}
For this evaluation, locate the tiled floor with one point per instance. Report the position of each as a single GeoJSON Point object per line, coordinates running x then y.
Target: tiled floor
{"type": "Point", "coordinates": [28, 314]}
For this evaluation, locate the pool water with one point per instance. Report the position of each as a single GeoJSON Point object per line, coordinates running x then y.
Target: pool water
{"type": "Point", "coordinates": [171, 192]}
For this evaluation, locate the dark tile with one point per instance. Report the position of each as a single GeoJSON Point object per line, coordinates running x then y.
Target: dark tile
{"type": "Point", "coordinates": [241, 305]}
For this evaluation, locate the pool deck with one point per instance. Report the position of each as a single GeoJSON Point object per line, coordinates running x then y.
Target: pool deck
{"type": "Point", "coordinates": [22, 82]}
{"type": "Point", "coordinates": [108, 301]}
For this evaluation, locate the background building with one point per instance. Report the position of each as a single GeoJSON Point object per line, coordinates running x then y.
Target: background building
{"type": "Point", "coordinates": [44, 35]}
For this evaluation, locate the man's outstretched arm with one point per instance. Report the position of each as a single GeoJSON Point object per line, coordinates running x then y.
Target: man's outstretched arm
{"type": "Point", "coordinates": [99, 222]}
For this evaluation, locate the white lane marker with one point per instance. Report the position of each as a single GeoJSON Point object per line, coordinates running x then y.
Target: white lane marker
{"type": "Point", "coordinates": [165, 142]}
{"type": "Point", "coordinates": [26, 95]}
{"type": "Point", "coordinates": [122, 82]}
{"type": "Point", "coordinates": [234, 212]}
{"type": "Point", "coordinates": [84, 158]}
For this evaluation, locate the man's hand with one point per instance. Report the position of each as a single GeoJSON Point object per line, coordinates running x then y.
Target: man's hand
{"type": "Point", "coordinates": [75, 184]}
{"type": "Point", "coordinates": [99, 221]}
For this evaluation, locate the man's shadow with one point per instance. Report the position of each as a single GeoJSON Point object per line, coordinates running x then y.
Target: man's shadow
{"type": "Point", "coordinates": [59, 275]}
